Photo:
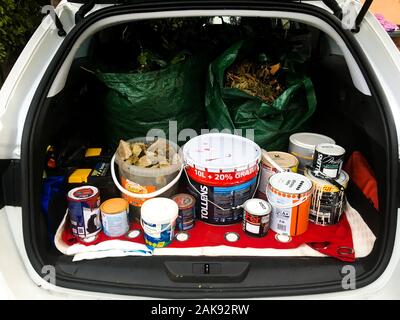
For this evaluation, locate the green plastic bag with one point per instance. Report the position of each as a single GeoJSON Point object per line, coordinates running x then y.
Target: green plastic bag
{"type": "Point", "coordinates": [138, 102]}
{"type": "Point", "coordinates": [231, 108]}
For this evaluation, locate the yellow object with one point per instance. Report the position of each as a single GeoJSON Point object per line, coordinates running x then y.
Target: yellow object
{"type": "Point", "coordinates": [113, 206]}
{"type": "Point", "coordinates": [79, 176]}
{"type": "Point", "coordinates": [93, 152]}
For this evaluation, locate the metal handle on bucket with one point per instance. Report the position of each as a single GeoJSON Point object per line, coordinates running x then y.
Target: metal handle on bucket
{"type": "Point", "coordinates": [145, 195]}
{"type": "Point", "coordinates": [213, 203]}
{"type": "Point", "coordinates": [292, 205]}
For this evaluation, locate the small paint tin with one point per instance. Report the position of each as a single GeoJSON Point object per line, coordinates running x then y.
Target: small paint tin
{"type": "Point", "coordinates": [84, 212]}
{"type": "Point", "coordinates": [186, 216]}
{"type": "Point", "coordinates": [328, 159]}
{"type": "Point", "coordinates": [256, 217]}
{"type": "Point", "coordinates": [290, 197]}
{"type": "Point", "coordinates": [285, 160]}
{"type": "Point", "coordinates": [302, 146]}
{"type": "Point", "coordinates": [114, 215]}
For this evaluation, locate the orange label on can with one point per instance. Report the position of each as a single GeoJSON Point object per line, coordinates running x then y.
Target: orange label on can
{"type": "Point", "coordinates": [135, 188]}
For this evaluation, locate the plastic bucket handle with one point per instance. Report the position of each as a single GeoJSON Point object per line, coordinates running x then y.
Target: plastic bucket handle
{"type": "Point", "coordinates": [292, 205]}
{"type": "Point", "coordinates": [145, 195]}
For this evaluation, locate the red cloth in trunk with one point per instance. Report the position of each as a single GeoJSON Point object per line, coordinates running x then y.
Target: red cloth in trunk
{"type": "Point", "coordinates": [335, 241]}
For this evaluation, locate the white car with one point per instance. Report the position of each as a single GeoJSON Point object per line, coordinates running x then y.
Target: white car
{"type": "Point", "coordinates": [356, 74]}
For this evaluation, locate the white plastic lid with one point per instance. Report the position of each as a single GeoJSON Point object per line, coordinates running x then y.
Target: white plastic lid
{"type": "Point", "coordinates": [309, 140]}
{"type": "Point", "coordinates": [330, 149]}
{"type": "Point", "coordinates": [221, 151]}
{"type": "Point", "coordinates": [159, 211]}
{"type": "Point", "coordinates": [257, 207]}
{"type": "Point", "coordinates": [289, 182]}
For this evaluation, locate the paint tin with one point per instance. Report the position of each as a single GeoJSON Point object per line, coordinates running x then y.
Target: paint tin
{"type": "Point", "coordinates": [84, 212]}
{"type": "Point", "coordinates": [186, 204]}
{"type": "Point", "coordinates": [302, 146]}
{"type": "Point", "coordinates": [286, 161]}
{"type": "Point", "coordinates": [328, 199]}
{"type": "Point", "coordinates": [328, 159]}
{"type": "Point", "coordinates": [158, 220]}
{"type": "Point", "coordinates": [222, 172]}
{"type": "Point", "coordinates": [290, 197]}
{"type": "Point", "coordinates": [114, 215]}
{"type": "Point", "coordinates": [256, 217]}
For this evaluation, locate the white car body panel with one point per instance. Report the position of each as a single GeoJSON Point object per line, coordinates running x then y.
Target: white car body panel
{"type": "Point", "coordinates": [19, 280]}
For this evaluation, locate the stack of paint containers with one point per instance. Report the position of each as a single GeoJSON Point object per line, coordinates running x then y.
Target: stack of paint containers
{"type": "Point", "coordinates": [330, 182]}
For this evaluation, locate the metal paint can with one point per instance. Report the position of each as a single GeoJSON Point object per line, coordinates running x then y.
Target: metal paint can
{"type": "Point", "coordinates": [114, 215]}
{"type": "Point", "coordinates": [256, 217]}
{"type": "Point", "coordinates": [285, 160]}
{"type": "Point", "coordinates": [186, 216]}
{"type": "Point", "coordinates": [302, 146]}
{"type": "Point", "coordinates": [84, 212]}
{"type": "Point", "coordinates": [328, 199]}
{"type": "Point", "coordinates": [328, 159]}
{"type": "Point", "coordinates": [290, 197]}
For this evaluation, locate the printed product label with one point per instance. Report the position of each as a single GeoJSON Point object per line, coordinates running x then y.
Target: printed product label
{"type": "Point", "coordinates": [154, 237]}
{"type": "Point", "coordinates": [135, 188]}
{"type": "Point", "coordinates": [115, 225]}
{"type": "Point", "coordinates": [280, 217]}
{"type": "Point", "coordinates": [225, 197]}
{"type": "Point", "coordinates": [85, 222]}
{"type": "Point", "coordinates": [328, 164]}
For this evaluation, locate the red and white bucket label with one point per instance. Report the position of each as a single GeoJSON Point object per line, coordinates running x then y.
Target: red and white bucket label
{"type": "Point", "coordinates": [222, 178]}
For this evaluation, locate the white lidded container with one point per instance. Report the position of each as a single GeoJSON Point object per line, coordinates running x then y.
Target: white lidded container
{"type": "Point", "coordinates": [158, 219]}
{"type": "Point", "coordinates": [302, 145]}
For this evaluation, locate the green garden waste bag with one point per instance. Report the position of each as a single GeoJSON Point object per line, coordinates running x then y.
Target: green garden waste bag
{"type": "Point", "coordinates": [138, 102]}
{"type": "Point", "coordinates": [232, 108]}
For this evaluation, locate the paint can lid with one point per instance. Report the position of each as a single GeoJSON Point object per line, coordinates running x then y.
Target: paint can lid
{"type": "Point", "coordinates": [330, 149]}
{"type": "Point", "coordinates": [114, 206]}
{"type": "Point", "coordinates": [82, 193]}
{"type": "Point", "coordinates": [282, 159]}
{"type": "Point", "coordinates": [309, 140]}
{"type": "Point", "coordinates": [159, 211]}
{"type": "Point", "coordinates": [343, 179]}
{"type": "Point", "coordinates": [184, 200]}
{"type": "Point", "coordinates": [217, 152]}
{"type": "Point", "coordinates": [257, 207]}
{"type": "Point", "coordinates": [289, 182]}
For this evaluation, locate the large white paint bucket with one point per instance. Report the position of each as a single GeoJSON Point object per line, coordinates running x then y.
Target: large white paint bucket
{"type": "Point", "coordinates": [222, 171]}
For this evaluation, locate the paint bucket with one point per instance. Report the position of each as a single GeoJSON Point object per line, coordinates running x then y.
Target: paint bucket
{"type": "Point", "coordinates": [222, 171]}
{"type": "Point", "coordinates": [290, 197]}
{"type": "Point", "coordinates": [328, 159]}
{"type": "Point", "coordinates": [328, 199]}
{"type": "Point", "coordinates": [139, 184]}
{"type": "Point", "coordinates": [302, 145]}
{"type": "Point", "coordinates": [256, 217]}
{"type": "Point", "coordinates": [158, 220]}
{"type": "Point", "coordinates": [286, 161]}
{"type": "Point", "coordinates": [187, 213]}
{"type": "Point", "coordinates": [114, 216]}
{"type": "Point", "coordinates": [84, 212]}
